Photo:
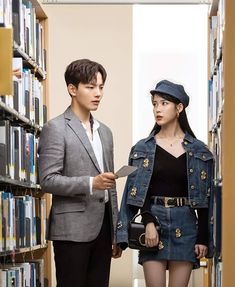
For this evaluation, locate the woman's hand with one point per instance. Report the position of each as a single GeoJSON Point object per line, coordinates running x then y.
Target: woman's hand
{"type": "Point", "coordinates": [116, 251]}
{"type": "Point", "coordinates": [151, 235]}
{"type": "Point", "coordinates": [200, 250]}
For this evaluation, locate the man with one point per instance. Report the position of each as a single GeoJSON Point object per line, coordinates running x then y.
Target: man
{"type": "Point", "coordinates": [76, 166]}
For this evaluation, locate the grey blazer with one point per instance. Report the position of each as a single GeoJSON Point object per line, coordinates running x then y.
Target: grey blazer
{"type": "Point", "coordinates": [66, 163]}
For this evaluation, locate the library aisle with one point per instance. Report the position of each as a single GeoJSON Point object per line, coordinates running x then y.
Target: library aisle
{"type": "Point", "coordinates": [25, 254]}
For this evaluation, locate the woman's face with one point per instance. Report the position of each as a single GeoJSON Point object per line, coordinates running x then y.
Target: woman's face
{"type": "Point", "coordinates": [165, 112]}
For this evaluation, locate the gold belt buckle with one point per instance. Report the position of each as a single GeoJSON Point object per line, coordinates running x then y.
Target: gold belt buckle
{"type": "Point", "coordinates": [166, 202]}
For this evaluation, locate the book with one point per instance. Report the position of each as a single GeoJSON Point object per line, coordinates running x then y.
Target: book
{"type": "Point", "coordinates": [5, 147]}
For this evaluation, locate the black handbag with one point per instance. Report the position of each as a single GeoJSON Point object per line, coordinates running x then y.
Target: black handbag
{"type": "Point", "coordinates": [136, 234]}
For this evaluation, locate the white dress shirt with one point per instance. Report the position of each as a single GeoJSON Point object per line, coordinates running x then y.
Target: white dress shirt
{"type": "Point", "coordinates": [98, 150]}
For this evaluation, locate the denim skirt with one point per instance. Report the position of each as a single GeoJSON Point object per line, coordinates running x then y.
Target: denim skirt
{"type": "Point", "coordinates": [178, 235]}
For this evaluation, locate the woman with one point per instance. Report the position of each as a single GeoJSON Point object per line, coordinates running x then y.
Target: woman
{"type": "Point", "coordinates": [174, 183]}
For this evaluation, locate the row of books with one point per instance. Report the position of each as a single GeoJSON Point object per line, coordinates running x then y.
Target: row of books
{"type": "Point", "coordinates": [18, 150]}
{"type": "Point", "coordinates": [28, 31]}
{"type": "Point", "coordinates": [217, 152]}
{"type": "Point", "coordinates": [25, 274]}
{"type": "Point", "coordinates": [22, 114]}
{"type": "Point", "coordinates": [217, 274]}
{"type": "Point", "coordinates": [216, 97]}
{"type": "Point", "coordinates": [27, 98]}
{"type": "Point", "coordinates": [217, 220]}
{"type": "Point", "coordinates": [216, 35]}
{"type": "Point", "coordinates": [22, 221]}
{"type": "Point", "coordinates": [215, 124]}
{"type": "Point", "coordinates": [5, 13]}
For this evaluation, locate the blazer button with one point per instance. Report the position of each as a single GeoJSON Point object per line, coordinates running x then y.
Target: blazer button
{"type": "Point", "coordinates": [101, 200]}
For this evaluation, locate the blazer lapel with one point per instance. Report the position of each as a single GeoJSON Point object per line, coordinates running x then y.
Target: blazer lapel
{"type": "Point", "coordinates": [105, 144]}
{"type": "Point", "coordinates": [79, 130]}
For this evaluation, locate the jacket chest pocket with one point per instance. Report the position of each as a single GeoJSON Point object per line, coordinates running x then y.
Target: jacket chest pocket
{"type": "Point", "coordinates": [139, 159]}
{"type": "Point", "coordinates": [138, 180]}
{"type": "Point", "coordinates": [204, 171]}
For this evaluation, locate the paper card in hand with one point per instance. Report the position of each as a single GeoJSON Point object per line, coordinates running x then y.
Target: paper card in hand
{"type": "Point", "coordinates": [125, 170]}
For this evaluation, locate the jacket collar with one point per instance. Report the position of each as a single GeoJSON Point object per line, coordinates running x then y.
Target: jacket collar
{"type": "Point", "coordinates": [69, 115]}
{"type": "Point", "coordinates": [188, 138]}
{"type": "Point", "coordinates": [150, 137]}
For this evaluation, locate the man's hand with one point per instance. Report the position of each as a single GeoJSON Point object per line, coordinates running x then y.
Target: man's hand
{"type": "Point", "coordinates": [116, 251]}
{"type": "Point", "coordinates": [104, 180]}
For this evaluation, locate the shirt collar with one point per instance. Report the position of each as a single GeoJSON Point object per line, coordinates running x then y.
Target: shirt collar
{"type": "Point", "coordinates": [96, 124]}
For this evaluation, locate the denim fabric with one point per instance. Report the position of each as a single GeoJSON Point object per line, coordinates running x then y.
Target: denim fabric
{"type": "Point", "coordinates": [178, 235]}
{"type": "Point", "coordinates": [200, 165]}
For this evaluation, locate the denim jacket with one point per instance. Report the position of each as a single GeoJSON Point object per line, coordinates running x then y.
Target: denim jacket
{"type": "Point", "coordinates": [200, 166]}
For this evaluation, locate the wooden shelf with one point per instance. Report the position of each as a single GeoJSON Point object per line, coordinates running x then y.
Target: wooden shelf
{"type": "Point", "coordinates": [23, 250]}
{"type": "Point", "coordinates": [17, 118]}
{"type": "Point", "coordinates": [31, 54]}
{"type": "Point", "coordinates": [16, 183]}
{"type": "Point", "coordinates": [39, 72]}
{"type": "Point", "coordinates": [228, 167]}
{"type": "Point", "coordinates": [39, 10]}
{"type": "Point", "coordinates": [223, 263]}
{"type": "Point", "coordinates": [213, 8]}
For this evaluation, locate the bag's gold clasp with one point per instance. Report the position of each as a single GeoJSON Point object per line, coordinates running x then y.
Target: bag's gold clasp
{"type": "Point", "coordinates": [142, 235]}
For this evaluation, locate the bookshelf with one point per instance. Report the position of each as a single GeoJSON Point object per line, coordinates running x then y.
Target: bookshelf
{"type": "Point", "coordinates": [25, 255]}
{"type": "Point", "coordinates": [222, 135]}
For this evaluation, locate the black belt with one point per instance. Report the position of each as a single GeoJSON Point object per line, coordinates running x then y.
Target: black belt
{"type": "Point", "coordinates": [169, 201]}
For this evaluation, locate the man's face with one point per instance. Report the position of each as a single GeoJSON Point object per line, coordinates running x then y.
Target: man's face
{"type": "Point", "coordinates": [88, 96]}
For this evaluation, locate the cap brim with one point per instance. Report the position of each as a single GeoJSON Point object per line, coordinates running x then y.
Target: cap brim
{"type": "Point", "coordinates": [152, 92]}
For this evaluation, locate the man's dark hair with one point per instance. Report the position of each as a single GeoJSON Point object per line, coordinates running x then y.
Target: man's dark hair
{"type": "Point", "coordinates": [83, 71]}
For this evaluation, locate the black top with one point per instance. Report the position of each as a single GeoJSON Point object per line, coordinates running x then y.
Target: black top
{"type": "Point", "coordinates": [169, 179]}
{"type": "Point", "coordinates": [169, 176]}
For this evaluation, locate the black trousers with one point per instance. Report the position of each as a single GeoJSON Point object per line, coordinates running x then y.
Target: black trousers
{"type": "Point", "coordinates": [85, 264]}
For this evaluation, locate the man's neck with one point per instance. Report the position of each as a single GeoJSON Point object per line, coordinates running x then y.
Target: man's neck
{"type": "Point", "coordinates": [82, 114]}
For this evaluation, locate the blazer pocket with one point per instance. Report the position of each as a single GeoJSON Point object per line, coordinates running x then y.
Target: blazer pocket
{"type": "Point", "coordinates": [69, 208]}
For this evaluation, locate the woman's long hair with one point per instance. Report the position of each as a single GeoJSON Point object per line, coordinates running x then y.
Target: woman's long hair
{"type": "Point", "coordinates": [183, 120]}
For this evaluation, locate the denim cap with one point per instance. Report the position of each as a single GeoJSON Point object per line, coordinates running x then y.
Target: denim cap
{"type": "Point", "coordinates": [172, 89]}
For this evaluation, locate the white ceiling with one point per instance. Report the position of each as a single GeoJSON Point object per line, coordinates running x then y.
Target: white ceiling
{"type": "Point", "coordinates": [126, 1]}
